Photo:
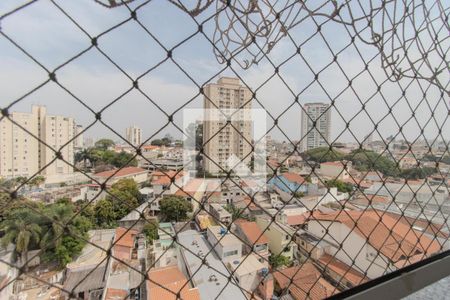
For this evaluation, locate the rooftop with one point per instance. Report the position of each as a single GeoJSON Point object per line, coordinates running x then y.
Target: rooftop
{"type": "Point", "coordinates": [396, 240]}
{"type": "Point", "coordinates": [342, 269]}
{"type": "Point", "coordinates": [124, 237]}
{"type": "Point", "coordinates": [293, 177]}
{"type": "Point", "coordinates": [120, 172]}
{"type": "Point", "coordinates": [253, 233]}
{"type": "Point", "coordinates": [93, 255]}
{"type": "Point", "coordinates": [247, 265]}
{"type": "Point", "coordinates": [223, 236]}
{"type": "Point", "coordinates": [305, 278]}
{"type": "Point", "coordinates": [165, 283]}
{"type": "Point", "coordinates": [210, 278]}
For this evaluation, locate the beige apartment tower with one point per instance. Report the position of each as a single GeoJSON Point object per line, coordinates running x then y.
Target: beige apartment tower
{"type": "Point", "coordinates": [318, 135]}
{"type": "Point", "coordinates": [227, 144]}
{"type": "Point", "coordinates": [133, 135]}
{"type": "Point", "coordinates": [21, 154]}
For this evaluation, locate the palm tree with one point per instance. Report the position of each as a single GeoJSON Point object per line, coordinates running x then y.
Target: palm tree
{"type": "Point", "coordinates": [57, 215]}
{"type": "Point", "coordinates": [84, 156]}
{"type": "Point", "coordinates": [22, 233]}
{"type": "Point", "coordinates": [37, 180]}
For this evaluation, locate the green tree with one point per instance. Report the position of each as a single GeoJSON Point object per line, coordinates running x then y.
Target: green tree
{"type": "Point", "coordinates": [341, 186]}
{"type": "Point", "coordinates": [151, 231]}
{"type": "Point", "coordinates": [417, 173]}
{"type": "Point", "coordinates": [37, 180]}
{"type": "Point", "coordinates": [104, 144]}
{"type": "Point", "coordinates": [124, 196]}
{"type": "Point", "coordinates": [277, 261]}
{"type": "Point", "coordinates": [174, 208]}
{"type": "Point", "coordinates": [365, 160]}
{"type": "Point", "coordinates": [322, 154]}
{"type": "Point", "coordinates": [69, 248]}
{"type": "Point", "coordinates": [83, 156]}
{"type": "Point", "coordinates": [56, 215]}
{"type": "Point", "coordinates": [23, 233]}
{"type": "Point", "coordinates": [104, 214]}
{"type": "Point", "coordinates": [236, 212]}
{"type": "Point", "coordinates": [157, 142]}
{"type": "Point", "coordinates": [123, 159]}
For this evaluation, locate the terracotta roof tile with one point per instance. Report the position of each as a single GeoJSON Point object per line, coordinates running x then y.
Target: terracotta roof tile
{"type": "Point", "coordinates": [253, 233]}
{"type": "Point", "coordinates": [403, 243]}
{"type": "Point", "coordinates": [293, 177]}
{"type": "Point", "coordinates": [124, 238]}
{"type": "Point", "coordinates": [307, 282]}
{"type": "Point", "coordinates": [173, 281]}
{"type": "Point", "coordinates": [343, 269]}
{"type": "Point", "coordinates": [122, 172]}
{"type": "Point", "coordinates": [116, 294]}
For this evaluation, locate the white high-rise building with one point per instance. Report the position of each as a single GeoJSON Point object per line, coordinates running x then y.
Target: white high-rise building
{"type": "Point", "coordinates": [227, 145]}
{"type": "Point", "coordinates": [318, 135]}
{"type": "Point", "coordinates": [133, 135]}
{"type": "Point", "coordinates": [21, 154]}
{"type": "Point", "coordinates": [78, 143]}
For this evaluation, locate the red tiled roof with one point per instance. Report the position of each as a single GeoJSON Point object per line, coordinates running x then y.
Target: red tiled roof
{"type": "Point", "coordinates": [403, 243]}
{"type": "Point", "coordinates": [342, 269]}
{"type": "Point", "coordinates": [253, 233]}
{"type": "Point", "coordinates": [190, 188]}
{"type": "Point", "coordinates": [115, 294]}
{"type": "Point", "coordinates": [165, 178]}
{"type": "Point", "coordinates": [122, 172]}
{"type": "Point", "coordinates": [305, 279]}
{"type": "Point", "coordinates": [294, 220]}
{"type": "Point", "coordinates": [124, 238]}
{"type": "Point", "coordinates": [293, 177]}
{"type": "Point", "coordinates": [149, 147]}
{"type": "Point", "coordinates": [165, 283]}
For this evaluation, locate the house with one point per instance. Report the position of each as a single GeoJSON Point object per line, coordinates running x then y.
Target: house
{"type": "Point", "coordinates": [303, 282]}
{"type": "Point", "coordinates": [162, 181]}
{"type": "Point", "coordinates": [110, 177]}
{"type": "Point", "coordinates": [219, 213]}
{"type": "Point", "coordinates": [164, 250]}
{"type": "Point", "coordinates": [226, 245]}
{"type": "Point", "coordinates": [134, 218]}
{"type": "Point", "coordinates": [292, 215]}
{"type": "Point", "coordinates": [372, 240]}
{"type": "Point", "coordinates": [206, 270]}
{"type": "Point", "coordinates": [289, 183]}
{"type": "Point", "coordinates": [252, 275]}
{"type": "Point", "coordinates": [336, 169]}
{"type": "Point", "coordinates": [255, 241]}
{"type": "Point", "coordinates": [279, 235]}
{"type": "Point", "coordinates": [168, 282]}
{"type": "Point", "coordinates": [340, 272]}
{"type": "Point", "coordinates": [124, 243]}
{"type": "Point", "coordinates": [193, 191]}
{"type": "Point", "coordinates": [86, 275]}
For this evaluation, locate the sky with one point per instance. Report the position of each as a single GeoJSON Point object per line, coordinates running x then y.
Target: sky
{"type": "Point", "coordinates": [52, 38]}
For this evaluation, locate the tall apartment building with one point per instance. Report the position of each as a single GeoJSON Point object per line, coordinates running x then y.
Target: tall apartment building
{"type": "Point", "coordinates": [318, 135]}
{"type": "Point", "coordinates": [78, 142]}
{"type": "Point", "coordinates": [133, 135]}
{"type": "Point", "coordinates": [229, 144]}
{"type": "Point", "coordinates": [21, 154]}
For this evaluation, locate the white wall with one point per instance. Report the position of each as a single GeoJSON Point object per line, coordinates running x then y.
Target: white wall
{"type": "Point", "coordinates": [354, 247]}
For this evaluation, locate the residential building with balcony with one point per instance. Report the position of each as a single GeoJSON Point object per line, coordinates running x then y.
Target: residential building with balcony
{"type": "Point", "coordinates": [226, 141]}
{"type": "Point", "coordinates": [22, 154]}
{"type": "Point", "coordinates": [279, 235]}
{"type": "Point", "coordinates": [255, 241]}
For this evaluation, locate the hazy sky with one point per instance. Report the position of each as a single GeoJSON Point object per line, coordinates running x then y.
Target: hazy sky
{"type": "Point", "coordinates": [46, 33]}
